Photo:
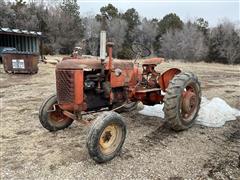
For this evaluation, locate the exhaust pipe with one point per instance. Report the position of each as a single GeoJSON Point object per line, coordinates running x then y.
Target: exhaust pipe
{"type": "Point", "coordinates": [102, 45]}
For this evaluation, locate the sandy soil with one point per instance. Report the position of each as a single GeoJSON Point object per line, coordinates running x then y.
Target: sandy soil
{"type": "Point", "coordinates": [151, 150]}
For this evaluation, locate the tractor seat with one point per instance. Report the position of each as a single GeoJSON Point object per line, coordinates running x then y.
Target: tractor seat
{"type": "Point", "coordinates": [154, 61]}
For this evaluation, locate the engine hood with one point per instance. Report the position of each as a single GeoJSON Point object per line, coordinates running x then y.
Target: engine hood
{"type": "Point", "coordinates": [92, 64]}
{"type": "Point", "coordinates": [79, 64]}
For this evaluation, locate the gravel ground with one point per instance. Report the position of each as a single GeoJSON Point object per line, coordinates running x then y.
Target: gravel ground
{"type": "Point", "coordinates": [151, 150]}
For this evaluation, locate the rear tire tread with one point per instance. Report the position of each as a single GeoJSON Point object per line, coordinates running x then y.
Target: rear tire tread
{"type": "Point", "coordinates": [176, 86]}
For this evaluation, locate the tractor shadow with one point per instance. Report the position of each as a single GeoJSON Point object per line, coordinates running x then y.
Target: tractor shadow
{"type": "Point", "coordinates": [156, 134]}
{"type": "Point", "coordinates": [159, 138]}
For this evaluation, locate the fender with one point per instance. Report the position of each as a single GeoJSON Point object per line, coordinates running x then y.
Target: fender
{"type": "Point", "coordinates": [165, 78]}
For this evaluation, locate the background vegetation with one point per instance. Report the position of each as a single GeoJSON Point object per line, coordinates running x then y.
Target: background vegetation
{"type": "Point", "coordinates": [170, 37]}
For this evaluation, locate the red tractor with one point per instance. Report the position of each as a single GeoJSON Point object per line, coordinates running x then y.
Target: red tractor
{"type": "Point", "coordinates": [92, 85]}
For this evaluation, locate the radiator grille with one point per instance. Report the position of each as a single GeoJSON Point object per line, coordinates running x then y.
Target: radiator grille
{"type": "Point", "coordinates": [65, 86]}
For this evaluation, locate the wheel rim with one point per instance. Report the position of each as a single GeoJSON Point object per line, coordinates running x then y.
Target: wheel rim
{"type": "Point", "coordinates": [110, 139]}
{"type": "Point", "coordinates": [189, 102]}
{"type": "Point", "coordinates": [57, 118]}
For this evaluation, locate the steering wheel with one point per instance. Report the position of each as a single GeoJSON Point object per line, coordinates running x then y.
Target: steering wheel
{"type": "Point", "coordinates": [140, 50]}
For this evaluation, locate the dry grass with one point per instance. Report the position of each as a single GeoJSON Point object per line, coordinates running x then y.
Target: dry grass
{"type": "Point", "coordinates": [151, 150]}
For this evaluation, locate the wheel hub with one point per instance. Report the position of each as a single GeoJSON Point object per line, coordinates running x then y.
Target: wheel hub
{"type": "Point", "coordinates": [108, 136]}
{"type": "Point", "coordinates": [189, 102]}
{"type": "Point", "coordinates": [109, 139]}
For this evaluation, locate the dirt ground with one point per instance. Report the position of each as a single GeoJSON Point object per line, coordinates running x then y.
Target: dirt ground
{"type": "Point", "coordinates": [151, 150]}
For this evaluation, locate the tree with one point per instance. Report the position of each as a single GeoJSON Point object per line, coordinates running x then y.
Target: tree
{"type": "Point", "coordinates": [116, 32]}
{"type": "Point", "coordinates": [202, 25]}
{"type": "Point", "coordinates": [69, 25]}
{"type": "Point", "coordinates": [5, 15]}
{"type": "Point", "coordinates": [115, 26]}
{"type": "Point", "coordinates": [169, 22]}
{"type": "Point", "coordinates": [19, 14]}
{"type": "Point", "coordinates": [91, 35]}
{"type": "Point", "coordinates": [146, 32]}
{"type": "Point", "coordinates": [187, 44]}
{"type": "Point", "coordinates": [63, 28]}
{"type": "Point", "coordinates": [18, 4]}
{"type": "Point", "coordinates": [71, 8]}
{"type": "Point", "coordinates": [108, 11]}
{"type": "Point", "coordinates": [224, 43]}
{"type": "Point", "coordinates": [132, 18]}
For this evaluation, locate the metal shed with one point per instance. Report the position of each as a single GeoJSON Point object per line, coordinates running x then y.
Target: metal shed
{"type": "Point", "coordinates": [22, 40]}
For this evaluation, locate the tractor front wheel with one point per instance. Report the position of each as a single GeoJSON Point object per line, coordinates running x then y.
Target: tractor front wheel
{"type": "Point", "coordinates": [51, 116]}
{"type": "Point", "coordinates": [106, 137]}
{"type": "Point", "coordinates": [182, 101]}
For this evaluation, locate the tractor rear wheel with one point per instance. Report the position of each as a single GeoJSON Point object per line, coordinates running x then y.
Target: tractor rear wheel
{"type": "Point", "coordinates": [106, 137]}
{"type": "Point", "coordinates": [182, 101]}
{"type": "Point", "coordinates": [50, 119]}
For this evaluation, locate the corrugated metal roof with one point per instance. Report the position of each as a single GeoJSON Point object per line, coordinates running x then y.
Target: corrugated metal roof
{"type": "Point", "coordinates": [19, 31]}
{"type": "Point", "coordinates": [20, 52]}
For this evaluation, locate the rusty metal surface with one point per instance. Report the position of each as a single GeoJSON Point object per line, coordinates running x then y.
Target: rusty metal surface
{"type": "Point", "coordinates": [74, 117]}
{"type": "Point", "coordinates": [69, 85]}
{"type": "Point", "coordinates": [122, 64]}
{"type": "Point", "coordinates": [165, 78]}
{"type": "Point", "coordinates": [65, 86]}
{"type": "Point", "coordinates": [79, 64]}
{"type": "Point", "coordinates": [20, 62]}
{"type": "Point", "coordinates": [189, 101]}
{"type": "Point", "coordinates": [70, 63]}
{"type": "Point", "coordinates": [144, 84]}
{"type": "Point", "coordinates": [110, 60]}
{"type": "Point", "coordinates": [67, 106]}
{"type": "Point", "coordinates": [154, 61]}
{"type": "Point", "coordinates": [123, 80]}
{"type": "Point", "coordinates": [57, 118]}
{"type": "Point", "coordinates": [78, 87]}
{"type": "Point", "coordinates": [147, 90]}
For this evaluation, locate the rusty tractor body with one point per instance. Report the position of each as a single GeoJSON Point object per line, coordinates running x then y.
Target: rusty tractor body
{"type": "Point", "coordinates": [91, 85]}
